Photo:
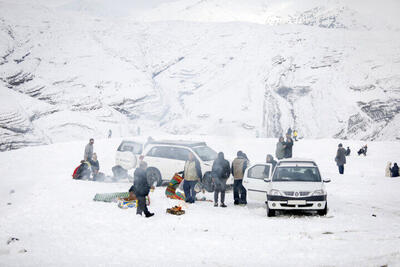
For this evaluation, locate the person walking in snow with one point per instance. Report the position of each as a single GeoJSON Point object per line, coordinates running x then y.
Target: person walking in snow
{"type": "Point", "coordinates": [87, 155]}
{"type": "Point", "coordinates": [109, 133]}
{"type": "Point", "coordinates": [220, 173]}
{"type": "Point", "coordinates": [141, 188]}
{"type": "Point", "coordinates": [280, 148]}
{"type": "Point", "coordinates": [191, 175]}
{"type": "Point", "coordinates": [289, 132]}
{"type": "Point", "coordinates": [239, 165]}
{"type": "Point", "coordinates": [340, 158]}
{"type": "Point", "coordinates": [387, 170]}
{"type": "Point", "coordinates": [395, 170]}
{"type": "Point", "coordinates": [288, 146]}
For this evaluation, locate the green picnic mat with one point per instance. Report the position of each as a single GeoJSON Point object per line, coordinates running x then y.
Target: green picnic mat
{"type": "Point", "coordinates": [110, 197]}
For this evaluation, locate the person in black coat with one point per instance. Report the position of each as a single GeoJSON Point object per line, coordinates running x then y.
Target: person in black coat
{"type": "Point", "coordinates": [220, 173]}
{"type": "Point", "coordinates": [141, 189]}
{"type": "Point", "coordinates": [288, 146]}
{"type": "Point", "coordinates": [270, 159]}
{"type": "Point", "coordinates": [394, 170]}
{"type": "Point", "coordinates": [340, 158]}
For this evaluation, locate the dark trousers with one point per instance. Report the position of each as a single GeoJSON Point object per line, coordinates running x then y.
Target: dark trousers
{"type": "Point", "coordinates": [341, 169]}
{"type": "Point", "coordinates": [188, 188]}
{"type": "Point", "coordinates": [220, 186]}
{"type": "Point", "coordinates": [141, 206]}
{"type": "Point", "coordinates": [239, 192]}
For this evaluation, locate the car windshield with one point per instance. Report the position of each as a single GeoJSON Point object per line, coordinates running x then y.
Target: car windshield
{"type": "Point", "coordinates": [296, 174]}
{"type": "Point", "coordinates": [205, 153]}
{"type": "Point", "coordinates": [133, 147]}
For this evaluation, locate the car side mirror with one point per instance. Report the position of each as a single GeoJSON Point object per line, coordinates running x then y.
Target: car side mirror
{"type": "Point", "coordinates": [267, 180]}
{"type": "Point", "coordinates": [327, 180]}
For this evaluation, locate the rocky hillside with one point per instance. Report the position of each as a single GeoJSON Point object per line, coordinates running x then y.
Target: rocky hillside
{"type": "Point", "coordinates": [74, 69]}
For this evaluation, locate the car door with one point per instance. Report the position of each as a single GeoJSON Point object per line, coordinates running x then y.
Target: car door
{"type": "Point", "coordinates": [254, 182]}
{"type": "Point", "coordinates": [158, 157]}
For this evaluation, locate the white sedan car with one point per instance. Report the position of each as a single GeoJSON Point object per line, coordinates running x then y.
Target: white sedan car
{"type": "Point", "coordinates": [295, 184]}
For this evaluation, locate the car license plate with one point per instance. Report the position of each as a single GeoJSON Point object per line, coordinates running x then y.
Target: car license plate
{"type": "Point", "coordinates": [296, 202]}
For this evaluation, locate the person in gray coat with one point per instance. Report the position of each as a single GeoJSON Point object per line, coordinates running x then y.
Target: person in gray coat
{"type": "Point", "coordinates": [88, 150]}
{"type": "Point", "coordinates": [280, 148]}
{"type": "Point", "coordinates": [340, 158]}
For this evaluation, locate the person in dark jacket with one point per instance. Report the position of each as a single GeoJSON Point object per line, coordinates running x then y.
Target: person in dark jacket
{"type": "Point", "coordinates": [340, 158]}
{"type": "Point", "coordinates": [141, 189]}
{"type": "Point", "coordinates": [270, 159]}
{"type": "Point", "coordinates": [220, 173]}
{"type": "Point", "coordinates": [280, 148]}
{"type": "Point", "coordinates": [348, 151]}
{"type": "Point", "coordinates": [394, 170]}
{"type": "Point", "coordinates": [288, 146]}
{"type": "Point", "coordinates": [191, 175]}
{"type": "Point", "coordinates": [239, 165]}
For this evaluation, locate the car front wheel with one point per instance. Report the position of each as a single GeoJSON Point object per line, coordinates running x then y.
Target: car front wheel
{"type": "Point", "coordinates": [270, 213]}
{"type": "Point", "coordinates": [324, 211]}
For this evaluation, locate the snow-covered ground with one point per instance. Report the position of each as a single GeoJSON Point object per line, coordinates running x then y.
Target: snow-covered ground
{"type": "Point", "coordinates": [58, 223]}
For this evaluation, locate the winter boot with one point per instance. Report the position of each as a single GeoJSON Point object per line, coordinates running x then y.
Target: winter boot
{"type": "Point", "coordinates": [223, 205]}
{"type": "Point", "coordinates": [215, 204]}
{"type": "Point", "coordinates": [149, 214]}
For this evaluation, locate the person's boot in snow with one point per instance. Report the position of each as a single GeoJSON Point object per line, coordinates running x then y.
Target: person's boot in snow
{"type": "Point", "coordinates": [215, 204]}
{"type": "Point", "coordinates": [149, 214]}
{"type": "Point", "coordinates": [223, 205]}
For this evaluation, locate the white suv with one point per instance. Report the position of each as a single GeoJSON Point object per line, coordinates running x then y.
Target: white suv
{"type": "Point", "coordinates": [295, 184]}
{"type": "Point", "coordinates": [165, 158]}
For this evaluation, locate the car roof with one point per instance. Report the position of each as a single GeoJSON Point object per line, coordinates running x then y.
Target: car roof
{"type": "Point", "coordinates": [296, 162]}
{"type": "Point", "coordinates": [178, 143]}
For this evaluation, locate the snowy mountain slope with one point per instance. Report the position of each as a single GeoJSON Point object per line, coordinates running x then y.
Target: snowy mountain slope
{"type": "Point", "coordinates": [87, 68]}
{"type": "Point", "coordinates": [58, 224]}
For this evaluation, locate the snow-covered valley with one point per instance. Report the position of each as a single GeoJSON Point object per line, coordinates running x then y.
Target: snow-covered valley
{"type": "Point", "coordinates": [71, 70]}
{"type": "Point", "coordinates": [56, 221]}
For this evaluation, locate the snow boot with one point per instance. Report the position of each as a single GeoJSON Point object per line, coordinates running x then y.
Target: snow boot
{"type": "Point", "coordinates": [149, 214]}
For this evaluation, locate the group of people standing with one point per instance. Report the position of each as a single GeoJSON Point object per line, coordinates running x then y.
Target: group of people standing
{"type": "Point", "coordinates": [220, 172]}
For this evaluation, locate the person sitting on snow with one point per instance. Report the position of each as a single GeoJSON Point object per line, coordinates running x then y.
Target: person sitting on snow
{"type": "Point", "coordinates": [95, 166]}
{"type": "Point", "coordinates": [387, 170]}
{"type": "Point", "coordinates": [83, 171]}
{"type": "Point", "coordinates": [362, 151]}
{"type": "Point", "coordinates": [395, 170]}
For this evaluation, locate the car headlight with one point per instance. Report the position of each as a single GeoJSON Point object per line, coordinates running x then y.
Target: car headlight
{"type": "Point", "coordinates": [275, 192]}
{"type": "Point", "coordinates": [320, 192]}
